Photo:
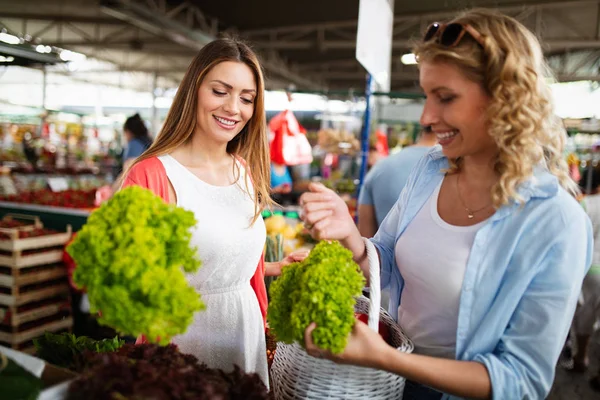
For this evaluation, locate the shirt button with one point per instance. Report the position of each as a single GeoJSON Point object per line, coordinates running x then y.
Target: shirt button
{"type": "Point", "coordinates": [468, 288]}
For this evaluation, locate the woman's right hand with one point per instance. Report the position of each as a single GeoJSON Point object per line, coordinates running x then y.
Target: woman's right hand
{"type": "Point", "coordinates": [326, 215]}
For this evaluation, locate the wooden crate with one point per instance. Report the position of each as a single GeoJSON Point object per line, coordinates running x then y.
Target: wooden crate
{"type": "Point", "coordinates": [14, 278]}
{"type": "Point", "coordinates": [18, 252]}
{"type": "Point", "coordinates": [55, 288]}
{"type": "Point", "coordinates": [17, 260]}
{"type": "Point", "coordinates": [33, 222]}
{"type": "Point", "coordinates": [34, 290]}
{"type": "Point", "coordinates": [15, 316]}
{"type": "Point", "coordinates": [28, 333]}
{"type": "Point", "coordinates": [15, 244]}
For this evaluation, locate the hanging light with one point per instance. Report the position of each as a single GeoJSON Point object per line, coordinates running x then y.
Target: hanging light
{"type": "Point", "coordinates": [8, 38]}
{"type": "Point", "coordinates": [408, 59]}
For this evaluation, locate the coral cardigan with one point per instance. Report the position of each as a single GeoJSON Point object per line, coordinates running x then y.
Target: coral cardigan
{"type": "Point", "coordinates": [151, 174]}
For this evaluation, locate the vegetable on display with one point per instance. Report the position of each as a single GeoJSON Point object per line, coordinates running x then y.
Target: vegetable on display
{"type": "Point", "coordinates": [131, 256]}
{"type": "Point", "coordinates": [321, 289]}
{"type": "Point", "coordinates": [16, 382]}
{"type": "Point", "coordinates": [156, 372]}
{"type": "Point", "coordinates": [69, 351]}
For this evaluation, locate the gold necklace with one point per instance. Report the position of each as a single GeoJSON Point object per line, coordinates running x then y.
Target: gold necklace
{"type": "Point", "coordinates": [470, 213]}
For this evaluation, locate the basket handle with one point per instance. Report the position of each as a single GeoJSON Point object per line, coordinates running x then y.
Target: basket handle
{"type": "Point", "coordinates": [374, 284]}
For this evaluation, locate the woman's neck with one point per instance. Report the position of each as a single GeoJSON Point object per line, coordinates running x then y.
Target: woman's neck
{"type": "Point", "coordinates": [201, 152]}
{"type": "Point", "coordinates": [478, 172]}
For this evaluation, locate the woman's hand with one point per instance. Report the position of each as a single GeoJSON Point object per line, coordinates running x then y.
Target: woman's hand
{"type": "Point", "coordinates": [325, 214]}
{"type": "Point", "coordinates": [274, 268]}
{"type": "Point", "coordinates": [364, 348]}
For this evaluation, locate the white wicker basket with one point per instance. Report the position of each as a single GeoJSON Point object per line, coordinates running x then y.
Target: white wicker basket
{"type": "Point", "coordinates": [297, 375]}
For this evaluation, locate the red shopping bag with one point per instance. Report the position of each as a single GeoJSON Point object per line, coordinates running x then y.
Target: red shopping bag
{"type": "Point", "coordinates": [289, 145]}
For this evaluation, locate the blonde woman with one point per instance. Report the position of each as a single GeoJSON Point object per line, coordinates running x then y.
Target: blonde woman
{"type": "Point", "coordinates": [211, 157]}
{"type": "Point", "coordinates": [486, 249]}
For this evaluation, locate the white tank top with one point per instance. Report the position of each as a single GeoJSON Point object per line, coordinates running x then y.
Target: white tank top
{"type": "Point", "coordinates": [230, 330]}
{"type": "Point", "coordinates": [432, 255]}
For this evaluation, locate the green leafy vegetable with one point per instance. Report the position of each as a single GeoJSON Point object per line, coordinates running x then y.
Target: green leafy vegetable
{"type": "Point", "coordinates": [66, 350]}
{"type": "Point", "coordinates": [130, 256]}
{"type": "Point", "coordinates": [16, 382]}
{"type": "Point", "coordinates": [320, 289]}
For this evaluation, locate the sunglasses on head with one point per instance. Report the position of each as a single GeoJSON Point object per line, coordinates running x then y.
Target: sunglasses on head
{"type": "Point", "coordinates": [450, 35]}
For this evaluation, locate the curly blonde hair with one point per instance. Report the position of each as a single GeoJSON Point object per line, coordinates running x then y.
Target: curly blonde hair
{"type": "Point", "coordinates": [510, 66]}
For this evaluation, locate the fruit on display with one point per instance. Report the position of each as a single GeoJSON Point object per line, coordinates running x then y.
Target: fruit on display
{"type": "Point", "coordinates": [275, 224]}
{"type": "Point", "coordinates": [70, 198]}
{"type": "Point", "coordinates": [13, 223]}
{"type": "Point", "coordinates": [322, 289]}
{"type": "Point", "coordinates": [294, 235]}
{"type": "Point", "coordinates": [36, 232]}
{"type": "Point", "coordinates": [338, 141]}
{"type": "Point", "coordinates": [131, 257]}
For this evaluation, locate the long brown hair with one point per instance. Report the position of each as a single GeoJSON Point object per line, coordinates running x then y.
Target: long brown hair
{"type": "Point", "coordinates": [251, 144]}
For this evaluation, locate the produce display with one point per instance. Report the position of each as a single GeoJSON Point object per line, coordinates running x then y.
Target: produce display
{"type": "Point", "coordinates": [153, 372]}
{"type": "Point", "coordinates": [68, 351]}
{"type": "Point", "coordinates": [67, 198]}
{"type": "Point", "coordinates": [295, 236]}
{"type": "Point", "coordinates": [11, 223]}
{"type": "Point", "coordinates": [131, 256]}
{"type": "Point", "coordinates": [322, 289]}
{"type": "Point", "coordinates": [338, 141]}
{"type": "Point", "coordinates": [24, 234]}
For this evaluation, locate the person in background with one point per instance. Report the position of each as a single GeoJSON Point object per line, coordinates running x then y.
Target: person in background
{"type": "Point", "coordinates": [138, 139]}
{"type": "Point", "coordinates": [486, 249]}
{"type": "Point", "coordinates": [587, 314]}
{"type": "Point", "coordinates": [281, 179]}
{"type": "Point", "coordinates": [212, 158]}
{"type": "Point", "coordinates": [373, 157]}
{"type": "Point", "coordinates": [385, 181]}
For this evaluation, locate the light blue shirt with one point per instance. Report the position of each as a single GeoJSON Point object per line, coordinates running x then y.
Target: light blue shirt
{"type": "Point", "coordinates": [521, 282]}
{"type": "Point", "coordinates": [385, 181]}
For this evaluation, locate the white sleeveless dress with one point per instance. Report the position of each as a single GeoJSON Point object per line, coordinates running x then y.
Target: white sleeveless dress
{"type": "Point", "coordinates": [230, 330]}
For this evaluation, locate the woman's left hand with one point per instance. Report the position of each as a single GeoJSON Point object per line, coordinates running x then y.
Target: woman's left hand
{"type": "Point", "coordinates": [364, 348]}
{"type": "Point", "coordinates": [274, 268]}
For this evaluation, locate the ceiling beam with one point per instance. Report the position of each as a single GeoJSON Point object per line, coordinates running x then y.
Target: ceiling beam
{"type": "Point", "coordinates": [552, 5]}
{"type": "Point", "coordinates": [158, 21]}
{"type": "Point", "coordinates": [132, 46]}
{"type": "Point", "coordinates": [575, 77]}
{"type": "Point", "coordinates": [61, 18]}
{"type": "Point", "coordinates": [361, 76]}
{"type": "Point", "coordinates": [549, 44]}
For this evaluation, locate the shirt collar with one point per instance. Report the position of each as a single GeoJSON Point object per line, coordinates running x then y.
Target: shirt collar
{"type": "Point", "coordinates": [542, 184]}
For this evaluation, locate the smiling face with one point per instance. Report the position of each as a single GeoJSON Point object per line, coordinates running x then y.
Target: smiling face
{"type": "Point", "coordinates": [225, 101]}
{"type": "Point", "coordinates": [455, 110]}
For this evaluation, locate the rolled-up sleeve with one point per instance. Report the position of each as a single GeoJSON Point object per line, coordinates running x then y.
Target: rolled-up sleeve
{"type": "Point", "coordinates": [523, 363]}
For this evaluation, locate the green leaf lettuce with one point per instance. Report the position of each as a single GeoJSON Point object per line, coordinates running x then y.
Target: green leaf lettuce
{"type": "Point", "coordinates": [320, 289]}
{"type": "Point", "coordinates": [130, 257]}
